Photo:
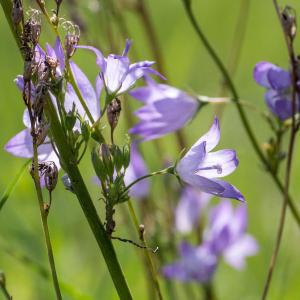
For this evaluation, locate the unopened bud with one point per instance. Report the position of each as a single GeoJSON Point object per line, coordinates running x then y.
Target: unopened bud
{"type": "Point", "coordinates": [98, 164]}
{"type": "Point", "coordinates": [17, 12]}
{"type": "Point", "coordinates": [67, 182]}
{"type": "Point", "coordinates": [289, 22]}
{"type": "Point", "coordinates": [113, 112]}
{"type": "Point", "coordinates": [126, 156]}
{"type": "Point", "coordinates": [118, 157]}
{"type": "Point", "coordinates": [41, 133]}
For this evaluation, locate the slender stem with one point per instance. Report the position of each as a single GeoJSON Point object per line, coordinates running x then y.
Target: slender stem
{"type": "Point", "coordinates": [87, 205]}
{"type": "Point", "coordinates": [5, 292]}
{"type": "Point", "coordinates": [293, 132]}
{"type": "Point", "coordinates": [43, 212]}
{"type": "Point", "coordinates": [146, 251]}
{"type": "Point", "coordinates": [235, 98]}
{"type": "Point", "coordinates": [164, 171]}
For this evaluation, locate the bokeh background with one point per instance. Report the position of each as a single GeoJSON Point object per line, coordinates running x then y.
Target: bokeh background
{"type": "Point", "coordinates": [188, 66]}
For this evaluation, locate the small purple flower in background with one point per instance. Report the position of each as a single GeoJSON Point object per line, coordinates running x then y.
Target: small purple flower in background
{"type": "Point", "coordinates": [202, 168]}
{"type": "Point", "coordinates": [226, 234]}
{"type": "Point", "coordinates": [191, 203]}
{"type": "Point", "coordinates": [166, 109]}
{"type": "Point", "coordinates": [195, 264]}
{"type": "Point", "coordinates": [116, 71]}
{"type": "Point", "coordinates": [136, 169]}
{"type": "Point", "coordinates": [278, 84]}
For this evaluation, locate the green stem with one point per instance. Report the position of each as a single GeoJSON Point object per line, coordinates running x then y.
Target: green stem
{"type": "Point", "coordinates": [5, 292]}
{"type": "Point", "coordinates": [235, 98]}
{"type": "Point", "coordinates": [146, 251]}
{"type": "Point", "coordinates": [162, 172]}
{"type": "Point", "coordinates": [87, 205]}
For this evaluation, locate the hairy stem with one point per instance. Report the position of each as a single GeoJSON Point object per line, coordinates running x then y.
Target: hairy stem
{"type": "Point", "coordinates": [235, 98]}
{"type": "Point", "coordinates": [293, 132]}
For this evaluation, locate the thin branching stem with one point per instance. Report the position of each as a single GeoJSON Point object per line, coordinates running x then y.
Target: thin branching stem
{"type": "Point", "coordinates": [146, 251]}
{"type": "Point", "coordinates": [235, 99]}
{"type": "Point", "coordinates": [293, 132]}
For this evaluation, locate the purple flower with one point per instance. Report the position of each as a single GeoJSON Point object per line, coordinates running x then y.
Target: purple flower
{"type": "Point", "coordinates": [192, 202]}
{"type": "Point", "coordinates": [195, 264]}
{"type": "Point", "coordinates": [21, 144]}
{"type": "Point", "coordinates": [202, 168]}
{"type": "Point", "coordinates": [136, 169]}
{"type": "Point", "coordinates": [166, 109]}
{"type": "Point", "coordinates": [226, 234]}
{"type": "Point", "coordinates": [116, 71]}
{"type": "Point", "coordinates": [278, 84]}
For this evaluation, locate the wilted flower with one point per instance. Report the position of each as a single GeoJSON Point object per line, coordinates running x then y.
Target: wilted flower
{"type": "Point", "coordinates": [202, 168]}
{"type": "Point", "coordinates": [278, 84]}
{"type": "Point", "coordinates": [117, 72]}
{"type": "Point", "coordinates": [166, 109]}
{"type": "Point", "coordinates": [195, 264]}
{"type": "Point", "coordinates": [191, 203]}
{"type": "Point", "coordinates": [136, 169]}
{"type": "Point", "coordinates": [226, 234]}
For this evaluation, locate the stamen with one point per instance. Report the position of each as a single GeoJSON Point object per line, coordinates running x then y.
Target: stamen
{"type": "Point", "coordinates": [214, 167]}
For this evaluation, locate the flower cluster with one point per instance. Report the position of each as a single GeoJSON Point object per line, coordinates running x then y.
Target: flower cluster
{"type": "Point", "coordinates": [224, 236]}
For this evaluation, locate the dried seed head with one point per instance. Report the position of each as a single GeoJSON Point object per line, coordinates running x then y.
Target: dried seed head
{"type": "Point", "coordinates": [113, 112]}
{"type": "Point", "coordinates": [39, 103]}
{"type": "Point", "coordinates": [50, 175]}
{"type": "Point", "coordinates": [289, 22]}
{"type": "Point", "coordinates": [71, 38]}
{"type": "Point", "coordinates": [32, 27]}
{"type": "Point", "coordinates": [41, 133]}
{"type": "Point", "coordinates": [71, 41]}
{"type": "Point", "coordinates": [17, 12]}
{"type": "Point", "coordinates": [27, 72]}
{"type": "Point", "coordinates": [44, 71]}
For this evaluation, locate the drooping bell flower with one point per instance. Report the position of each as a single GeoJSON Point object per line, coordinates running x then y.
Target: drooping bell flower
{"type": "Point", "coordinates": [165, 110]}
{"type": "Point", "coordinates": [226, 234]}
{"type": "Point", "coordinates": [202, 168]}
{"type": "Point", "coordinates": [277, 81]}
{"type": "Point", "coordinates": [195, 264]}
{"type": "Point", "coordinates": [117, 73]}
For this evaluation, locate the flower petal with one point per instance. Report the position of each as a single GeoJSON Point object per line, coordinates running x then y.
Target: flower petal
{"type": "Point", "coordinates": [235, 255]}
{"type": "Point", "coordinates": [218, 164]}
{"type": "Point", "coordinates": [87, 90]}
{"type": "Point", "coordinates": [100, 60]}
{"type": "Point", "coordinates": [260, 73]}
{"type": "Point", "coordinates": [230, 191]}
{"type": "Point", "coordinates": [189, 208]}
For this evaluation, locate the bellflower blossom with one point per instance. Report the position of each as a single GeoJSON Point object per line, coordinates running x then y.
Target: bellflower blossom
{"type": "Point", "coordinates": [195, 264]}
{"type": "Point", "coordinates": [278, 84]}
{"type": "Point", "coordinates": [136, 169]}
{"type": "Point", "coordinates": [226, 234]}
{"type": "Point", "coordinates": [21, 144]}
{"type": "Point", "coordinates": [202, 168]}
{"type": "Point", "coordinates": [117, 73]}
{"type": "Point", "coordinates": [166, 109]}
{"type": "Point", "coordinates": [191, 203]}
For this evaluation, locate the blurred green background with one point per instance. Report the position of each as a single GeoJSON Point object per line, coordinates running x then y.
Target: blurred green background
{"type": "Point", "coordinates": [79, 263]}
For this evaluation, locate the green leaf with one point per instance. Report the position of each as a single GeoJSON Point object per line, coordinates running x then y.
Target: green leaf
{"type": "Point", "coordinates": [13, 184]}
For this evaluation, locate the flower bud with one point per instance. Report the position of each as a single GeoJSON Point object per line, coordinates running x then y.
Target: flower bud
{"type": "Point", "coordinates": [67, 182]}
{"type": "Point", "coordinates": [41, 133]}
{"type": "Point", "coordinates": [113, 112]}
{"type": "Point", "coordinates": [85, 130]}
{"type": "Point", "coordinates": [98, 164]}
{"type": "Point", "coordinates": [107, 159]}
{"type": "Point", "coordinates": [289, 23]}
{"type": "Point", "coordinates": [126, 156]}
{"type": "Point", "coordinates": [118, 157]}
